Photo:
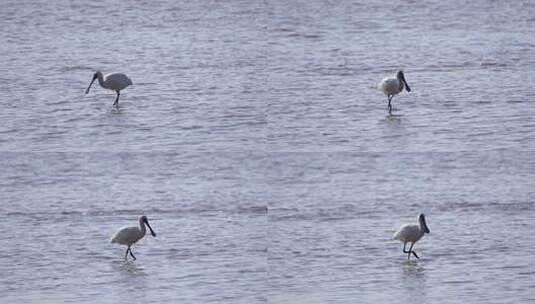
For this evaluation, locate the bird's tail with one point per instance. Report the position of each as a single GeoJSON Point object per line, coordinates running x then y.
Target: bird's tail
{"type": "Point", "coordinates": [375, 87]}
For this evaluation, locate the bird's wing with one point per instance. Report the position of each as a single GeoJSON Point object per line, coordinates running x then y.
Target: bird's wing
{"type": "Point", "coordinates": [390, 81]}
{"type": "Point", "coordinates": [405, 231]}
{"type": "Point", "coordinates": [124, 234]}
{"type": "Point", "coordinates": [389, 85]}
{"type": "Point", "coordinates": [397, 234]}
{"type": "Point", "coordinates": [117, 80]}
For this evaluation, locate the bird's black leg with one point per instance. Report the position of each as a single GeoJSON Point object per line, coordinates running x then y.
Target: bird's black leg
{"type": "Point", "coordinates": [132, 254]}
{"type": "Point", "coordinates": [405, 251]}
{"type": "Point", "coordinates": [390, 104]}
{"type": "Point", "coordinates": [126, 253]}
{"type": "Point", "coordinates": [116, 104]}
{"type": "Point", "coordinates": [410, 251]}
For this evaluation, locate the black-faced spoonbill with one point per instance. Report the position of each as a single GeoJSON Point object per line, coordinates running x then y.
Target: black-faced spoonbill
{"type": "Point", "coordinates": [130, 235]}
{"type": "Point", "coordinates": [393, 85]}
{"type": "Point", "coordinates": [411, 233]}
{"type": "Point", "coordinates": [115, 82]}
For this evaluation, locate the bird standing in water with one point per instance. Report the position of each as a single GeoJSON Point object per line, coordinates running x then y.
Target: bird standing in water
{"type": "Point", "coordinates": [411, 233]}
{"type": "Point", "coordinates": [130, 235]}
{"type": "Point", "coordinates": [393, 85]}
{"type": "Point", "coordinates": [115, 82]}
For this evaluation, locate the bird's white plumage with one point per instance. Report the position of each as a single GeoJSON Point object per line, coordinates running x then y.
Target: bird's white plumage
{"type": "Point", "coordinates": [128, 235]}
{"type": "Point", "coordinates": [115, 81]}
{"type": "Point", "coordinates": [408, 233]}
{"type": "Point", "coordinates": [390, 85]}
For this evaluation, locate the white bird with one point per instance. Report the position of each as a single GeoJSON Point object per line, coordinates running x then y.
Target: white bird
{"type": "Point", "coordinates": [393, 85]}
{"type": "Point", "coordinates": [130, 235]}
{"type": "Point", "coordinates": [115, 82]}
{"type": "Point", "coordinates": [411, 233]}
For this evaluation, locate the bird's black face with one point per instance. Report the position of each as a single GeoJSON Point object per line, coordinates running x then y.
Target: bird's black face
{"type": "Point", "coordinates": [95, 76]}
{"type": "Point", "coordinates": [421, 219]}
{"type": "Point", "coordinates": [401, 76]}
{"type": "Point", "coordinates": [146, 221]}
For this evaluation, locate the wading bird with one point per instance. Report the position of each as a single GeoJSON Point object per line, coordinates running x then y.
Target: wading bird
{"type": "Point", "coordinates": [411, 233]}
{"type": "Point", "coordinates": [115, 82]}
{"type": "Point", "coordinates": [391, 86]}
{"type": "Point", "coordinates": [130, 235]}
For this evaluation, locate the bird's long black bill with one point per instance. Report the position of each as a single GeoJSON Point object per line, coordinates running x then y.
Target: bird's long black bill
{"type": "Point", "coordinates": [89, 87]}
{"type": "Point", "coordinates": [150, 228]}
{"type": "Point", "coordinates": [406, 84]}
{"type": "Point", "coordinates": [426, 229]}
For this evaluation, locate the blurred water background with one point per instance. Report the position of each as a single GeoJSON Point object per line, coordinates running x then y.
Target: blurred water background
{"type": "Point", "coordinates": [254, 141]}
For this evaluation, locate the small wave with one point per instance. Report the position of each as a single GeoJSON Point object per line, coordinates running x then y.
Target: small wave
{"type": "Point", "coordinates": [516, 101]}
{"type": "Point", "coordinates": [503, 206]}
{"type": "Point", "coordinates": [193, 127]}
{"type": "Point", "coordinates": [492, 64]}
{"type": "Point", "coordinates": [282, 29]}
{"type": "Point", "coordinates": [76, 68]}
{"type": "Point", "coordinates": [259, 209]}
{"type": "Point", "coordinates": [459, 282]}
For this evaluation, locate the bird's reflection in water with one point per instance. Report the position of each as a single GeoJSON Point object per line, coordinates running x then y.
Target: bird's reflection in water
{"type": "Point", "coordinates": [412, 268]}
{"type": "Point", "coordinates": [128, 268]}
{"type": "Point", "coordinates": [393, 124]}
{"type": "Point", "coordinates": [414, 279]}
{"type": "Point", "coordinates": [132, 280]}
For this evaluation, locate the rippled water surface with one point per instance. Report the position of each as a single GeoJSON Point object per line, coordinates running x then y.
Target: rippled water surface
{"type": "Point", "coordinates": [256, 143]}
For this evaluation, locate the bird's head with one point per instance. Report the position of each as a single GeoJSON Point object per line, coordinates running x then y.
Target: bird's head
{"type": "Point", "coordinates": [401, 77]}
{"type": "Point", "coordinates": [95, 76]}
{"type": "Point", "coordinates": [143, 219]}
{"type": "Point", "coordinates": [423, 224]}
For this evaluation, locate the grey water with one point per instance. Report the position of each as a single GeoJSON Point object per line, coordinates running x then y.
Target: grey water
{"type": "Point", "coordinates": [255, 141]}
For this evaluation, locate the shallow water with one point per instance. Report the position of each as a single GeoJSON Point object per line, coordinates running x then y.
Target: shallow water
{"type": "Point", "coordinates": [264, 158]}
{"type": "Point", "coordinates": [333, 214]}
